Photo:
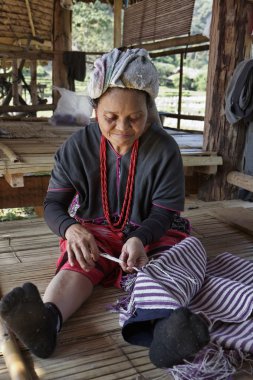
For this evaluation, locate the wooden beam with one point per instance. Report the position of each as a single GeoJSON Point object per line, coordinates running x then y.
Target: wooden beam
{"type": "Point", "coordinates": [201, 160]}
{"type": "Point", "coordinates": [27, 108]}
{"type": "Point", "coordinates": [241, 180]}
{"type": "Point", "coordinates": [181, 116]}
{"type": "Point", "coordinates": [117, 22]}
{"type": "Point", "coordinates": [173, 42]}
{"type": "Point", "coordinates": [185, 50]}
{"type": "Point", "coordinates": [229, 45]}
{"type": "Point", "coordinates": [31, 195]}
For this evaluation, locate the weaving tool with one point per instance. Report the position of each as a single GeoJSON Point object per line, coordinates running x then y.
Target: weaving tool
{"type": "Point", "coordinates": [112, 258]}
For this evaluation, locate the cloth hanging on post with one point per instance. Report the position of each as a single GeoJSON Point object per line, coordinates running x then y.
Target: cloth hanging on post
{"type": "Point", "coordinates": [239, 94]}
{"type": "Point", "coordinates": [76, 65]}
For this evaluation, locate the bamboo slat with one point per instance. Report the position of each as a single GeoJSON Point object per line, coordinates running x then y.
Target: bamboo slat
{"type": "Point", "coordinates": [90, 345]}
{"type": "Point", "coordinates": [156, 20]}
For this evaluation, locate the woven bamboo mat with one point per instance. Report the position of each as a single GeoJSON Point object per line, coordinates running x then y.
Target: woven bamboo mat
{"type": "Point", "coordinates": [90, 346]}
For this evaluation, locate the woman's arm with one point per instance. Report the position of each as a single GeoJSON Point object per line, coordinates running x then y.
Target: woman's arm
{"type": "Point", "coordinates": [155, 226]}
{"type": "Point", "coordinates": [56, 214]}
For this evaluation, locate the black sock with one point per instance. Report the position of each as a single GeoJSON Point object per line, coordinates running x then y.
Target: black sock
{"type": "Point", "coordinates": [177, 338]}
{"type": "Point", "coordinates": [56, 312]}
{"type": "Point", "coordinates": [34, 323]}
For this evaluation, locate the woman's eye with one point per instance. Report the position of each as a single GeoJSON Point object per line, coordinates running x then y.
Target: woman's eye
{"type": "Point", "coordinates": [133, 119]}
{"type": "Point", "coordinates": [109, 118]}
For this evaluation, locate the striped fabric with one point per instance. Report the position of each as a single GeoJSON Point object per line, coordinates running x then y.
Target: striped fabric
{"type": "Point", "coordinates": [220, 290]}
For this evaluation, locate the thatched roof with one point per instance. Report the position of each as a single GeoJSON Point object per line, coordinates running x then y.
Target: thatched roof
{"type": "Point", "coordinates": [25, 20]}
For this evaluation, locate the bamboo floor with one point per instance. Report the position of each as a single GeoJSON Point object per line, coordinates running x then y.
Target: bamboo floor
{"type": "Point", "coordinates": [90, 346]}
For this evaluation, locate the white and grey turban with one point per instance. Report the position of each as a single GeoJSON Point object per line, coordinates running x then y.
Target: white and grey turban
{"type": "Point", "coordinates": [126, 69]}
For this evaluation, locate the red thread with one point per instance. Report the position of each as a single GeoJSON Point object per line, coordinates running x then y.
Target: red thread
{"type": "Point", "coordinates": [125, 211]}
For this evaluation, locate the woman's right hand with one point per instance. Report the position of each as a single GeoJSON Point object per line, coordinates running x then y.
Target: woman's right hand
{"type": "Point", "coordinates": [81, 246]}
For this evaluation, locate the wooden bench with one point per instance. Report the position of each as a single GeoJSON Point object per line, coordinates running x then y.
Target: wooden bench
{"type": "Point", "coordinates": [35, 155]}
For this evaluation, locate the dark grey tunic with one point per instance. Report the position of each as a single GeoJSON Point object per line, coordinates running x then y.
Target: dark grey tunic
{"type": "Point", "coordinates": [159, 179]}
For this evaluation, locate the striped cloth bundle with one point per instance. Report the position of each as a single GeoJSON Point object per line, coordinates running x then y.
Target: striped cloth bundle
{"type": "Point", "coordinates": [220, 290]}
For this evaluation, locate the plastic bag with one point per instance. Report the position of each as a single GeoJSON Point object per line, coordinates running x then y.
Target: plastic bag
{"type": "Point", "coordinates": [71, 109]}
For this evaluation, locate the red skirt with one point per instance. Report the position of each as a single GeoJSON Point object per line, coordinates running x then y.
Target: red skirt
{"type": "Point", "coordinates": [107, 272]}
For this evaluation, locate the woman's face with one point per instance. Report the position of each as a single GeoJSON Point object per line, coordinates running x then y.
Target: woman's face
{"type": "Point", "coordinates": [122, 117]}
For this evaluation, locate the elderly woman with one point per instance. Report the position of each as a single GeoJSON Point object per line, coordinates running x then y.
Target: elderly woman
{"type": "Point", "coordinates": [125, 174]}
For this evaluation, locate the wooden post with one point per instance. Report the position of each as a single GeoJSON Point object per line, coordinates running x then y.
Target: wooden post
{"type": "Point", "coordinates": [229, 44]}
{"type": "Point", "coordinates": [62, 41]}
{"type": "Point", "coordinates": [180, 91]}
{"type": "Point", "coordinates": [15, 82]}
{"type": "Point", "coordinates": [33, 84]}
{"type": "Point", "coordinates": [117, 22]}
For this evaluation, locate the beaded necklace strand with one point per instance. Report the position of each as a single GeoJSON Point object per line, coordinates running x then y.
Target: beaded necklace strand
{"type": "Point", "coordinates": [125, 211]}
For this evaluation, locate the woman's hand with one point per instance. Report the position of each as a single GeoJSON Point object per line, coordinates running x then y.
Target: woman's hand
{"type": "Point", "coordinates": [81, 246]}
{"type": "Point", "coordinates": [133, 254]}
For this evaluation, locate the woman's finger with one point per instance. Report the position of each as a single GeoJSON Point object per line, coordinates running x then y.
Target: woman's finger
{"type": "Point", "coordinates": [71, 256]}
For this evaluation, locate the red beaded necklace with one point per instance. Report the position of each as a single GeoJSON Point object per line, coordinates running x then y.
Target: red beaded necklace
{"type": "Point", "coordinates": [125, 211]}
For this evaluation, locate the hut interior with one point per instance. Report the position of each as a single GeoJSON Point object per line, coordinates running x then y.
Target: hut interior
{"type": "Point", "coordinates": [90, 345]}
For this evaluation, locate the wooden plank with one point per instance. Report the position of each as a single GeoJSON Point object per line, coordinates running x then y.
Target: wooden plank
{"type": "Point", "coordinates": [27, 108]}
{"type": "Point", "coordinates": [201, 160]}
{"type": "Point", "coordinates": [173, 42]}
{"type": "Point", "coordinates": [240, 180]}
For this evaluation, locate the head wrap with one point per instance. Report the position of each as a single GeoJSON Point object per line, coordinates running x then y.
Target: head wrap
{"type": "Point", "coordinates": [126, 69]}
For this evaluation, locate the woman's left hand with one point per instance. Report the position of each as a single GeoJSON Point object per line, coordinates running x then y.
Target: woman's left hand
{"type": "Point", "coordinates": [133, 255]}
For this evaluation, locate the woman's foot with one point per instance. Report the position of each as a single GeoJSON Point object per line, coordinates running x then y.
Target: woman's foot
{"type": "Point", "coordinates": [178, 338]}
{"type": "Point", "coordinates": [33, 323]}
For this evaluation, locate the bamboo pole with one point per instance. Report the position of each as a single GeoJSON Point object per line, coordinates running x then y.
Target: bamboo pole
{"type": "Point", "coordinates": [30, 17]}
{"type": "Point", "coordinates": [12, 355]}
{"type": "Point", "coordinates": [9, 153]}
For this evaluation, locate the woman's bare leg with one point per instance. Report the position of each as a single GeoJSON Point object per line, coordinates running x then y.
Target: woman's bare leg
{"type": "Point", "coordinates": [68, 290]}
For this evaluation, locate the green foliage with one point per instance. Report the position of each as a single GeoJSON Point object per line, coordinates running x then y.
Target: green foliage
{"type": "Point", "coordinates": [16, 214]}
{"type": "Point", "coordinates": [92, 27]}
{"type": "Point", "coordinates": [201, 14]}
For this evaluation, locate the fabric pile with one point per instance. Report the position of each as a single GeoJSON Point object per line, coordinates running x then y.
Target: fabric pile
{"type": "Point", "coordinates": [220, 291]}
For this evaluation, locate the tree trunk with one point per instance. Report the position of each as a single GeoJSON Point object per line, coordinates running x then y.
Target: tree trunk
{"type": "Point", "coordinates": [229, 44]}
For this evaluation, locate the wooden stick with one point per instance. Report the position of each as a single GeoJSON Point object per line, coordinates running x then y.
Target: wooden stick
{"type": "Point", "coordinates": [9, 153]}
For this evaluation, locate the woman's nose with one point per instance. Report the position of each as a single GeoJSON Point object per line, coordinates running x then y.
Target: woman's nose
{"type": "Point", "coordinates": [123, 125]}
